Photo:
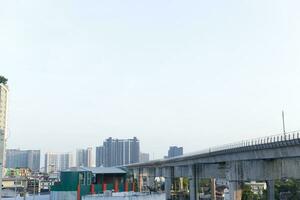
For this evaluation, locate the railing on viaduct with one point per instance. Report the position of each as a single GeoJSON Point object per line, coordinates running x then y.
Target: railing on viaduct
{"type": "Point", "coordinates": [273, 141]}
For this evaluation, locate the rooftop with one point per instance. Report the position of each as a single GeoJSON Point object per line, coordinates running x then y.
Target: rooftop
{"type": "Point", "coordinates": [97, 170]}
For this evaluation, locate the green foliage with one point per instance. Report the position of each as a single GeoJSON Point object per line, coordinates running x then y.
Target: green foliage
{"type": "Point", "coordinates": [249, 195]}
{"type": "Point", "coordinates": [290, 187]}
{"type": "Point", "coordinates": [3, 80]}
{"type": "Point", "coordinates": [204, 183]}
{"type": "Point", "coordinates": [287, 189]}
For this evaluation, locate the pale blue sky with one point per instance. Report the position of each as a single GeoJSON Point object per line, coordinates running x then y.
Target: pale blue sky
{"type": "Point", "coordinates": [189, 73]}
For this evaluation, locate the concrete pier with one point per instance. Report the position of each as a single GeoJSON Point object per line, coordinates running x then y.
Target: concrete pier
{"type": "Point", "coordinates": [235, 190]}
{"type": "Point", "coordinates": [213, 188]}
{"type": "Point", "coordinates": [271, 189]}
{"type": "Point", "coordinates": [193, 182]}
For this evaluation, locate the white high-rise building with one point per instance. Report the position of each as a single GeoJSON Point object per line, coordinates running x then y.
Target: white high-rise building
{"type": "Point", "coordinates": [55, 162]}
{"type": "Point", "coordinates": [3, 123]}
{"type": "Point", "coordinates": [51, 162]}
{"type": "Point", "coordinates": [144, 157]}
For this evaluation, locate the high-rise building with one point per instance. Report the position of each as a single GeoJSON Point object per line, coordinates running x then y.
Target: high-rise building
{"type": "Point", "coordinates": [34, 160]}
{"type": "Point", "coordinates": [16, 158]}
{"type": "Point", "coordinates": [84, 157]}
{"type": "Point", "coordinates": [144, 157]}
{"type": "Point", "coordinates": [99, 156]}
{"type": "Point", "coordinates": [3, 122]}
{"type": "Point", "coordinates": [117, 152]}
{"type": "Point", "coordinates": [65, 161]}
{"type": "Point", "coordinates": [55, 162]}
{"type": "Point", "coordinates": [175, 151]}
{"type": "Point", "coordinates": [51, 162]}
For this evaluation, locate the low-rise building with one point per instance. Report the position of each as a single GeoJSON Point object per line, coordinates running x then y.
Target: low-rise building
{"type": "Point", "coordinates": [80, 181]}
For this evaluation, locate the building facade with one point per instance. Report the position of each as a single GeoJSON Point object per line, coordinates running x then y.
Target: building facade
{"type": "Point", "coordinates": [55, 162]}
{"type": "Point", "coordinates": [84, 157]}
{"type": "Point", "coordinates": [51, 162]}
{"type": "Point", "coordinates": [175, 151]}
{"type": "Point", "coordinates": [65, 161]}
{"type": "Point", "coordinates": [144, 157]}
{"type": "Point", "coordinates": [99, 156]}
{"type": "Point", "coordinates": [3, 125]}
{"type": "Point", "coordinates": [118, 152]}
{"type": "Point", "coordinates": [16, 158]}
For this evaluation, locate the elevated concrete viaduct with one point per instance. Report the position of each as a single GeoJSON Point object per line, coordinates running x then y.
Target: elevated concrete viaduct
{"type": "Point", "coordinates": [263, 159]}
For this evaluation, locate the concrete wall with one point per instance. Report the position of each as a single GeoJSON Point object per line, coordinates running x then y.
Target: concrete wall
{"type": "Point", "coordinates": [37, 197]}
{"type": "Point", "coordinates": [130, 197]}
{"type": "Point", "coordinates": [61, 195]}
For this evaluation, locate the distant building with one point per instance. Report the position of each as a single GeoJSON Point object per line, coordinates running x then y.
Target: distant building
{"type": "Point", "coordinates": [55, 162]}
{"type": "Point", "coordinates": [84, 157]}
{"type": "Point", "coordinates": [144, 157]}
{"type": "Point", "coordinates": [175, 151]}
{"type": "Point", "coordinates": [118, 152]}
{"type": "Point", "coordinates": [99, 156]}
{"type": "Point", "coordinates": [51, 162]}
{"type": "Point", "coordinates": [3, 123]}
{"type": "Point", "coordinates": [16, 158]}
{"type": "Point", "coordinates": [65, 161]}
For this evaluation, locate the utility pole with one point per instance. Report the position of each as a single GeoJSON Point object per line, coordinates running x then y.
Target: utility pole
{"type": "Point", "coordinates": [283, 123]}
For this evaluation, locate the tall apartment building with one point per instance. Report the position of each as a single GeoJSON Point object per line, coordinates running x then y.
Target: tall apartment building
{"type": "Point", "coordinates": [51, 162]}
{"type": "Point", "coordinates": [3, 122]}
{"type": "Point", "coordinates": [99, 156]}
{"type": "Point", "coordinates": [175, 151]}
{"type": "Point", "coordinates": [84, 157]}
{"type": "Point", "coordinates": [55, 162]}
{"type": "Point", "coordinates": [144, 157]}
{"type": "Point", "coordinates": [65, 161]}
{"type": "Point", "coordinates": [117, 152]}
{"type": "Point", "coordinates": [16, 158]}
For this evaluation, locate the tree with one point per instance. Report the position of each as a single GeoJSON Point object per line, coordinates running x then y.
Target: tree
{"type": "Point", "coordinates": [3, 80]}
{"type": "Point", "coordinates": [248, 194]}
{"type": "Point", "coordinates": [289, 188]}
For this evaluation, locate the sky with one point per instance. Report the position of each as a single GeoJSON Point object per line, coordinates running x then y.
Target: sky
{"type": "Point", "coordinates": [189, 73]}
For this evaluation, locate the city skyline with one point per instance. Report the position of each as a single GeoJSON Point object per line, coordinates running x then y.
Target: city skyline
{"type": "Point", "coordinates": [218, 74]}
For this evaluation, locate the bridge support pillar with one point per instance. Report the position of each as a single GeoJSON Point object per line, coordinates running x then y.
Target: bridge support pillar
{"type": "Point", "coordinates": [271, 189]}
{"type": "Point", "coordinates": [151, 177]}
{"type": "Point", "coordinates": [181, 183]}
{"type": "Point", "coordinates": [194, 183]}
{"type": "Point", "coordinates": [168, 187]}
{"type": "Point", "coordinates": [140, 180]}
{"type": "Point", "coordinates": [169, 177]}
{"type": "Point", "coordinates": [235, 190]}
{"type": "Point", "coordinates": [213, 188]}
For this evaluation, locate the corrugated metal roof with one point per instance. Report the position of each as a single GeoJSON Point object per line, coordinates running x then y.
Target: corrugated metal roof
{"type": "Point", "coordinates": [76, 169]}
{"type": "Point", "coordinates": [107, 170]}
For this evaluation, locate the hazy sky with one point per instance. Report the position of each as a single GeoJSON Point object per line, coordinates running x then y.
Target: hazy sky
{"type": "Point", "coordinates": [189, 73]}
